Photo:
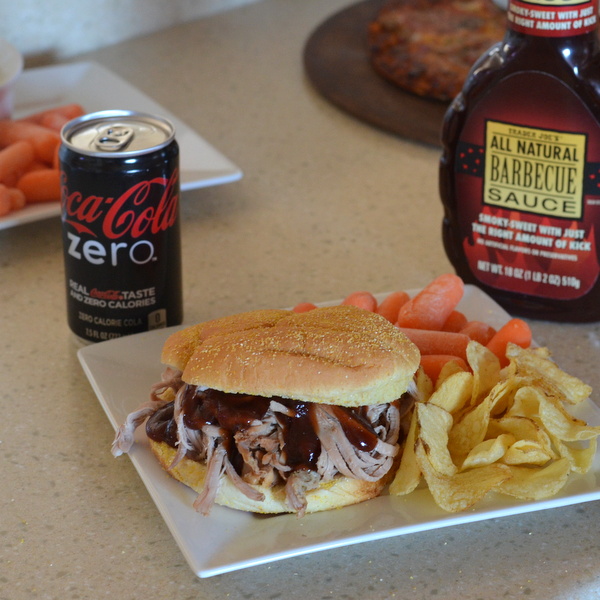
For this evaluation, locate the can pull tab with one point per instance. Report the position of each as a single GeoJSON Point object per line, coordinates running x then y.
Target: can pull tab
{"type": "Point", "coordinates": [113, 138]}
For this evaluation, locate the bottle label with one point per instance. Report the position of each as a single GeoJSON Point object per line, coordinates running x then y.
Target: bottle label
{"type": "Point", "coordinates": [521, 160]}
{"type": "Point", "coordinates": [549, 18]}
{"type": "Point", "coordinates": [529, 191]}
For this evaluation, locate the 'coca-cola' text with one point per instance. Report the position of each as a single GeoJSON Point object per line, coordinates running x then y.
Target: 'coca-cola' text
{"type": "Point", "coordinates": [123, 227]}
{"type": "Point", "coordinates": [134, 213]}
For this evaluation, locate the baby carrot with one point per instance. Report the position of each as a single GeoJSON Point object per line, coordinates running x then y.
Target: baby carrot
{"type": "Point", "coordinates": [455, 322]}
{"type": "Point", "coordinates": [54, 122]}
{"type": "Point", "coordinates": [479, 331]}
{"type": "Point", "coordinates": [516, 331]}
{"type": "Point", "coordinates": [17, 198]}
{"type": "Point", "coordinates": [438, 342]}
{"type": "Point", "coordinates": [364, 300]}
{"type": "Point", "coordinates": [56, 158]}
{"type": "Point", "coordinates": [65, 111]}
{"type": "Point", "coordinates": [390, 305]}
{"type": "Point", "coordinates": [42, 185]}
{"type": "Point", "coordinates": [5, 202]}
{"type": "Point", "coordinates": [433, 364]}
{"type": "Point", "coordinates": [430, 308]}
{"type": "Point", "coordinates": [36, 165]}
{"type": "Point", "coordinates": [44, 140]}
{"type": "Point", "coordinates": [304, 307]}
{"type": "Point", "coordinates": [14, 161]}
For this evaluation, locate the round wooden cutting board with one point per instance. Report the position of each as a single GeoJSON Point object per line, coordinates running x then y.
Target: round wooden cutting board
{"type": "Point", "coordinates": [337, 64]}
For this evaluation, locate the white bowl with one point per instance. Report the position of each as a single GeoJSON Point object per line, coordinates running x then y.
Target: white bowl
{"type": "Point", "coordinates": [11, 66]}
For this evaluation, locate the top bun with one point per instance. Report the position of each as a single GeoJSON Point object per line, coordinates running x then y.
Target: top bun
{"type": "Point", "coordinates": [334, 355]}
{"type": "Point", "coordinates": [181, 345]}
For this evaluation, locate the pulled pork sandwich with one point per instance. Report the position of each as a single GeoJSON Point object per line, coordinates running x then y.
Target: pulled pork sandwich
{"type": "Point", "coordinates": [273, 411]}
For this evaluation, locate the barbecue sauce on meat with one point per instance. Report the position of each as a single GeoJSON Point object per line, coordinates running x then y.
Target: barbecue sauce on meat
{"type": "Point", "coordinates": [302, 446]}
{"type": "Point", "coordinates": [161, 427]}
{"type": "Point", "coordinates": [232, 412]}
{"type": "Point", "coordinates": [357, 429]}
{"type": "Point", "coordinates": [236, 412]}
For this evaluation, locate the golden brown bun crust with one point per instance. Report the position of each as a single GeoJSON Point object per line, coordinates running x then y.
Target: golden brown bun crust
{"type": "Point", "coordinates": [341, 491]}
{"type": "Point", "coordinates": [335, 355]}
{"type": "Point", "coordinates": [181, 345]}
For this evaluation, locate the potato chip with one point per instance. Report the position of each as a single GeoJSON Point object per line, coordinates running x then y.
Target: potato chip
{"type": "Point", "coordinates": [450, 368]}
{"type": "Point", "coordinates": [556, 419]}
{"type": "Point", "coordinates": [454, 392]}
{"type": "Point", "coordinates": [471, 429]}
{"type": "Point", "coordinates": [527, 452]}
{"type": "Point", "coordinates": [504, 393]}
{"type": "Point", "coordinates": [522, 428]}
{"type": "Point", "coordinates": [434, 424]}
{"type": "Point", "coordinates": [536, 483]}
{"type": "Point", "coordinates": [524, 403]}
{"type": "Point", "coordinates": [488, 451]}
{"type": "Point", "coordinates": [535, 363]}
{"type": "Point", "coordinates": [505, 430]}
{"type": "Point", "coordinates": [424, 385]}
{"type": "Point", "coordinates": [486, 370]}
{"type": "Point", "coordinates": [563, 425]}
{"type": "Point", "coordinates": [462, 490]}
{"type": "Point", "coordinates": [580, 457]}
{"type": "Point", "coordinates": [408, 476]}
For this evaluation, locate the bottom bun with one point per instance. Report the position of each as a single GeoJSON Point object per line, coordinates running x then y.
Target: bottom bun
{"type": "Point", "coordinates": [340, 491]}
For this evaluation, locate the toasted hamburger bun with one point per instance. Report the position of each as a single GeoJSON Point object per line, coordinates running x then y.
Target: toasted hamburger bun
{"type": "Point", "coordinates": [333, 355]}
{"type": "Point", "coordinates": [339, 492]}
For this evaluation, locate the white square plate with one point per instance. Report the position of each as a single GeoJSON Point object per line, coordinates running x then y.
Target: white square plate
{"type": "Point", "coordinates": [97, 88]}
{"type": "Point", "coordinates": [121, 372]}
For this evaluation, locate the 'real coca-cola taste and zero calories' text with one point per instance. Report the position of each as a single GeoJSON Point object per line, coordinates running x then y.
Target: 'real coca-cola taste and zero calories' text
{"type": "Point", "coordinates": [520, 170]}
{"type": "Point", "coordinates": [120, 223]}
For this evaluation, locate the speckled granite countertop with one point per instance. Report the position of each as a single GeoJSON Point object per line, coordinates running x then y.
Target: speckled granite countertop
{"type": "Point", "coordinates": [327, 205]}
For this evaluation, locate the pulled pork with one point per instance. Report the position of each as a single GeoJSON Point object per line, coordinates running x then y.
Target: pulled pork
{"type": "Point", "coordinates": [258, 452]}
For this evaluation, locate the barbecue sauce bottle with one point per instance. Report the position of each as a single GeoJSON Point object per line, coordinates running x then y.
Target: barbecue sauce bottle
{"type": "Point", "coordinates": [520, 169]}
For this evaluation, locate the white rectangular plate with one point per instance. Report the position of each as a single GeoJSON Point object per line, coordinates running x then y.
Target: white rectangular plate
{"type": "Point", "coordinates": [121, 372]}
{"type": "Point", "coordinates": [97, 88]}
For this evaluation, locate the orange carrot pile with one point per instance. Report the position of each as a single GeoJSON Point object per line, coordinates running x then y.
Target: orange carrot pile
{"type": "Point", "coordinates": [29, 157]}
{"type": "Point", "coordinates": [432, 321]}
{"type": "Point", "coordinates": [430, 308]}
{"type": "Point", "coordinates": [364, 300]}
{"type": "Point", "coordinates": [390, 306]}
{"type": "Point", "coordinates": [55, 118]}
{"type": "Point", "coordinates": [515, 331]}
{"type": "Point", "coordinates": [435, 342]}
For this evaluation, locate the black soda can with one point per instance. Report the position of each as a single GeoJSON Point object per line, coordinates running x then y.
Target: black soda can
{"type": "Point", "coordinates": [120, 224]}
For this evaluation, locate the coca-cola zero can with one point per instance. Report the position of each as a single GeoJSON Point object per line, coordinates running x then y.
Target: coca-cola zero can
{"type": "Point", "coordinates": [120, 224]}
